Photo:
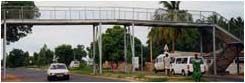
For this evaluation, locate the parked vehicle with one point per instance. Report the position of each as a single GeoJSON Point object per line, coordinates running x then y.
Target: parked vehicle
{"type": "Point", "coordinates": [159, 62]}
{"type": "Point", "coordinates": [74, 64]}
{"type": "Point", "coordinates": [232, 68]}
{"type": "Point", "coordinates": [58, 70]}
{"type": "Point", "coordinates": [183, 65]}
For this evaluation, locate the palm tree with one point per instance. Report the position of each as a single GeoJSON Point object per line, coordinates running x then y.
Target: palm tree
{"type": "Point", "coordinates": [172, 14]}
{"type": "Point", "coordinates": [237, 25]}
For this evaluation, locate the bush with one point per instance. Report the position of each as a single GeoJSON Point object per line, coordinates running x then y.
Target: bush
{"type": "Point", "coordinates": [83, 69]}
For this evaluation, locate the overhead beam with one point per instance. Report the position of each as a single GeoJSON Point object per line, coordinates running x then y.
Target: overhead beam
{"type": "Point", "coordinates": [107, 22]}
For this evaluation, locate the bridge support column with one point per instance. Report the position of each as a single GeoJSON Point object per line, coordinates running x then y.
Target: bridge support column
{"type": "Point", "coordinates": [214, 51]}
{"type": "Point", "coordinates": [201, 44]}
{"type": "Point", "coordinates": [125, 49]}
{"type": "Point", "coordinates": [94, 48]}
{"type": "Point", "coordinates": [133, 48]}
{"type": "Point", "coordinates": [4, 49]}
{"type": "Point", "coordinates": [100, 47]}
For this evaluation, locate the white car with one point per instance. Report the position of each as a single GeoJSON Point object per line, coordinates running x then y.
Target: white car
{"type": "Point", "coordinates": [159, 61]}
{"type": "Point", "coordinates": [58, 70]}
{"type": "Point", "coordinates": [182, 65]}
{"type": "Point", "coordinates": [74, 63]}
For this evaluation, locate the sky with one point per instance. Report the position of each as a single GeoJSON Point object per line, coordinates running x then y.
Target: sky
{"type": "Point", "coordinates": [74, 35]}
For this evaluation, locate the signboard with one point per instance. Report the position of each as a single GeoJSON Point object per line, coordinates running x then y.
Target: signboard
{"type": "Point", "coordinates": [136, 62]}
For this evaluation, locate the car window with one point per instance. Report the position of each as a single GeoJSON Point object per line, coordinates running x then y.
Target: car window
{"type": "Point", "coordinates": [172, 60]}
{"type": "Point", "coordinates": [58, 67]}
{"type": "Point", "coordinates": [160, 60]}
{"type": "Point", "coordinates": [75, 62]}
{"type": "Point", "coordinates": [198, 58]}
{"type": "Point", "coordinates": [184, 60]}
{"type": "Point", "coordinates": [156, 60]}
{"type": "Point", "coordinates": [178, 61]}
{"type": "Point", "coordinates": [181, 61]}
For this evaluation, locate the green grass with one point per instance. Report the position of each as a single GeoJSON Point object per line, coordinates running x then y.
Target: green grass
{"type": "Point", "coordinates": [158, 79]}
{"type": "Point", "coordinates": [140, 76]}
{"type": "Point", "coordinates": [82, 69]}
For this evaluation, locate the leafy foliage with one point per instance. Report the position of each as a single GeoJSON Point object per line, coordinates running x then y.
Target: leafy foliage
{"type": "Point", "coordinates": [44, 57]}
{"type": "Point", "coordinates": [79, 52]}
{"type": "Point", "coordinates": [10, 10]}
{"type": "Point", "coordinates": [185, 38]}
{"type": "Point", "coordinates": [65, 53]}
{"type": "Point", "coordinates": [17, 58]}
{"type": "Point", "coordinates": [113, 45]}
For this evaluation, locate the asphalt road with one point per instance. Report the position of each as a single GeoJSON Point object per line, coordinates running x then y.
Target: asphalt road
{"type": "Point", "coordinates": [28, 75]}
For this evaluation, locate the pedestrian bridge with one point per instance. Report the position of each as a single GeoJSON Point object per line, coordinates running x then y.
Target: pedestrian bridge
{"type": "Point", "coordinates": [129, 16]}
{"type": "Point", "coordinates": [87, 15]}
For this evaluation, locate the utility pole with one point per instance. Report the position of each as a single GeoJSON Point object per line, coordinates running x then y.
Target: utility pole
{"type": "Point", "coordinates": [142, 58]}
{"type": "Point", "coordinates": [4, 46]}
{"type": "Point", "coordinates": [133, 48]}
{"type": "Point", "coordinates": [214, 53]}
{"type": "Point", "coordinates": [201, 44]}
{"type": "Point", "coordinates": [125, 49]}
{"type": "Point", "coordinates": [94, 38]}
{"type": "Point", "coordinates": [100, 47]}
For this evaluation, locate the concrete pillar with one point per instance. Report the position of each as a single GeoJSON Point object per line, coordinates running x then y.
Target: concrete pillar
{"type": "Point", "coordinates": [94, 44]}
{"type": "Point", "coordinates": [100, 47]}
{"type": "Point", "coordinates": [4, 49]}
{"type": "Point", "coordinates": [201, 44]}
{"type": "Point", "coordinates": [125, 49]}
{"type": "Point", "coordinates": [133, 48]}
{"type": "Point", "coordinates": [214, 50]}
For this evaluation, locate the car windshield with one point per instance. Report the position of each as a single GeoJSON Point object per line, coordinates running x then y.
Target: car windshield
{"type": "Point", "coordinates": [58, 67]}
{"type": "Point", "coordinates": [198, 58]}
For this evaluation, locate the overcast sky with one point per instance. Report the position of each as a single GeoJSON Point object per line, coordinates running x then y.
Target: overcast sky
{"type": "Point", "coordinates": [57, 35]}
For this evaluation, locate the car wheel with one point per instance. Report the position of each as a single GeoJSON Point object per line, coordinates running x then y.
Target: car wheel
{"type": "Point", "coordinates": [155, 71]}
{"type": "Point", "coordinates": [67, 77]}
{"type": "Point", "coordinates": [172, 72]}
{"type": "Point", "coordinates": [183, 73]}
{"type": "Point", "coordinates": [49, 78]}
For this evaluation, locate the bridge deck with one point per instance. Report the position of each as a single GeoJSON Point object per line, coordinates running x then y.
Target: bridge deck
{"type": "Point", "coordinates": [104, 22]}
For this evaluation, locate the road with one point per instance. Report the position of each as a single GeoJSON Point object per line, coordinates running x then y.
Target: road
{"type": "Point", "coordinates": [29, 75]}
{"type": "Point", "coordinates": [223, 78]}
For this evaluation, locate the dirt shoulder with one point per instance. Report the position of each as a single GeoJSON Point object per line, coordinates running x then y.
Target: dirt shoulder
{"type": "Point", "coordinates": [10, 78]}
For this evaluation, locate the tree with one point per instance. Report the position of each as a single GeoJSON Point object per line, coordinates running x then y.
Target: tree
{"type": "Point", "coordinates": [44, 57]}
{"type": "Point", "coordinates": [173, 14]}
{"type": "Point", "coordinates": [237, 27]}
{"type": "Point", "coordinates": [17, 58]}
{"type": "Point", "coordinates": [64, 53]}
{"type": "Point", "coordinates": [172, 5]}
{"type": "Point", "coordinates": [79, 52]}
{"type": "Point", "coordinates": [184, 38]}
{"type": "Point", "coordinates": [36, 58]}
{"type": "Point", "coordinates": [15, 32]}
{"type": "Point", "coordinates": [113, 45]}
{"type": "Point", "coordinates": [160, 36]}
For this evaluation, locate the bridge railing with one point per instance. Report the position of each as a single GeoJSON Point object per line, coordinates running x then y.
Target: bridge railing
{"type": "Point", "coordinates": [112, 13]}
{"type": "Point", "coordinates": [231, 27]}
{"type": "Point", "coordinates": [127, 13]}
